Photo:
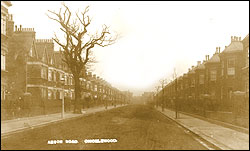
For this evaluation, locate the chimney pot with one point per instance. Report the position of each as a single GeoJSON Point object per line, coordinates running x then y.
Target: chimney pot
{"type": "Point", "coordinates": [198, 62]}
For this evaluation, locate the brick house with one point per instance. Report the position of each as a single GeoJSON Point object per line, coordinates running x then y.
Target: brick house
{"type": "Point", "coordinates": [6, 21]}
{"type": "Point", "coordinates": [245, 69]}
{"type": "Point", "coordinates": [213, 76]}
{"type": "Point", "coordinates": [199, 80]}
{"type": "Point", "coordinates": [232, 62]}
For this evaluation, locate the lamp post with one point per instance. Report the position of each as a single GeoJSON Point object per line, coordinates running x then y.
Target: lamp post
{"type": "Point", "coordinates": [62, 81]}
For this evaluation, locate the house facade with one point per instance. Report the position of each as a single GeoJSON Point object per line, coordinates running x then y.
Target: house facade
{"type": "Point", "coordinates": [6, 19]}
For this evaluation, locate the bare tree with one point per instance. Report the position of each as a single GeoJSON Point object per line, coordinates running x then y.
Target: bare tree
{"type": "Point", "coordinates": [163, 82]}
{"type": "Point", "coordinates": [78, 43]}
{"type": "Point", "coordinates": [157, 88]}
{"type": "Point", "coordinates": [174, 74]}
{"type": "Point", "coordinates": [176, 100]}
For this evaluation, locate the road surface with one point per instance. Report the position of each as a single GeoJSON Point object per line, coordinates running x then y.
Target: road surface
{"type": "Point", "coordinates": [133, 127]}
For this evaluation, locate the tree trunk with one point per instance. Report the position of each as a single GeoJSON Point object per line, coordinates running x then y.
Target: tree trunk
{"type": "Point", "coordinates": [77, 108]}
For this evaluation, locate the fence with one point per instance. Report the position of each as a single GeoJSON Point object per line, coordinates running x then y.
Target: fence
{"type": "Point", "coordinates": [234, 111]}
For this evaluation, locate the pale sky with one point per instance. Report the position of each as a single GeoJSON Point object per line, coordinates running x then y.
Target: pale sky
{"type": "Point", "coordinates": [156, 37]}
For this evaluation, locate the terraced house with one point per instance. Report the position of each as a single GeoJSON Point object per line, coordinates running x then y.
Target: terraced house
{"type": "Point", "coordinates": [37, 73]}
{"type": "Point", "coordinates": [6, 19]}
{"type": "Point", "coordinates": [216, 78]}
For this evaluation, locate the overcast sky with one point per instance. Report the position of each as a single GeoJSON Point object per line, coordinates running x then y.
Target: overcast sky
{"type": "Point", "coordinates": [156, 37]}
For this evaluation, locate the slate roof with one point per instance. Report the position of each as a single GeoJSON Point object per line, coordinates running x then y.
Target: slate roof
{"type": "Point", "coordinates": [234, 46]}
{"type": "Point", "coordinates": [214, 59]}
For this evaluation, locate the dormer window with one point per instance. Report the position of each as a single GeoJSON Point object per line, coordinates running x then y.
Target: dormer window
{"type": "Point", "coordinates": [43, 59]}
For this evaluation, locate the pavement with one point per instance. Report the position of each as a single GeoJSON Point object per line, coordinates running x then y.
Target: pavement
{"type": "Point", "coordinates": [17, 125]}
{"type": "Point", "coordinates": [220, 136]}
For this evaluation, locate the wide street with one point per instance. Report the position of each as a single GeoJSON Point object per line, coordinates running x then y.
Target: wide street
{"type": "Point", "coordinates": [133, 126]}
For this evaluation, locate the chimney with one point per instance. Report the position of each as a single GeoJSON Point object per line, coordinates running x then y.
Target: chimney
{"type": "Point", "coordinates": [216, 50]}
{"type": "Point", "coordinates": [198, 63]}
{"type": "Point", "coordinates": [207, 57]}
{"type": "Point", "coordinates": [219, 49]}
{"type": "Point", "coordinates": [20, 27]}
{"type": "Point", "coordinates": [94, 76]}
{"type": "Point", "coordinates": [232, 38]}
{"type": "Point", "coordinates": [192, 67]}
{"type": "Point", "coordinates": [239, 38]}
{"type": "Point", "coordinates": [15, 27]}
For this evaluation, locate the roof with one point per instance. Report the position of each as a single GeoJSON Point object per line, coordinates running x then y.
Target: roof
{"type": "Point", "coordinates": [8, 3]}
{"type": "Point", "coordinates": [192, 70]}
{"type": "Point", "coordinates": [246, 38]}
{"type": "Point", "coordinates": [214, 59]}
{"type": "Point", "coordinates": [234, 46]}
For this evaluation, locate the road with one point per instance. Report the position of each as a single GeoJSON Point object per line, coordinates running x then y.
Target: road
{"type": "Point", "coordinates": [135, 127]}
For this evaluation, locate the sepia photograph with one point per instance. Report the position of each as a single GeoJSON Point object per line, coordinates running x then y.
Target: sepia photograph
{"type": "Point", "coordinates": [124, 75]}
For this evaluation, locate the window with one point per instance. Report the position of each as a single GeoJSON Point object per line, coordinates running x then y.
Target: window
{"type": "Point", "coordinates": [231, 66]}
{"type": "Point", "coordinates": [49, 75]}
{"type": "Point", "coordinates": [49, 94]}
{"type": "Point", "coordinates": [3, 66]}
{"type": "Point", "coordinates": [3, 24]}
{"type": "Point", "coordinates": [54, 94]}
{"type": "Point", "coordinates": [43, 92]}
{"type": "Point", "coordinates": [61, 94]}
{"type": "Point", "coordinates": [44, 73]}
{"type": "Point", "coordinates": [213, 75]}
{"type": "Point", "coordinates": [31, 51]}
{"type": "Point", "coordinates": [95, 89]}
{"type": "Point", "coordinates": [71, 81]}
{"type": "Point", "coordinates": [70, 94]}
{"type": "Point", "coordinates": [201, 79]}
{"type": "Point", "coordinates": [66, 79]}
{"type": "Point", "coordinates": [222, 68]}
{"type": "Point", "coordinates": [55, 76]}
{"type": "Point", "coordinates": [231, 71]}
